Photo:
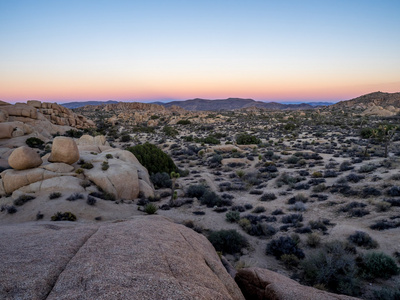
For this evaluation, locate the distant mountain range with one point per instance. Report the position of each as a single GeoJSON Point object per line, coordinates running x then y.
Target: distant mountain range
{"type": "Point", "coordinates": [72, 105]}
{"type": "Point", "coordinates": [231, 104]}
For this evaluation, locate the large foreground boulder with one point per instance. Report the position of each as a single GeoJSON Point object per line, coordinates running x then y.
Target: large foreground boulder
{"type": "Point", "coordinates": [64, 150]}
{"type": "Point", "coordinates": [145, 258]}
{"type": "Point", "coordinates": [263, 284]}
{"type": "Point", "coordinates": [24, 158]}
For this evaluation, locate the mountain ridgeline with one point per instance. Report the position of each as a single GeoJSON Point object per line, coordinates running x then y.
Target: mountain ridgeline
{"type": "Point", "coordinates": [233, 103]}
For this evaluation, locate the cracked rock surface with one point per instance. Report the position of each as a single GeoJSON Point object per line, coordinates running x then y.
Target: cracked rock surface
{"type": "Point", "coordinates": [147, 257]}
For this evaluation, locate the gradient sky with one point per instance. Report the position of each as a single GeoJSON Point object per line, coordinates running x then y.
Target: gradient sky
{"type": "Point", "coordinates": [288, 50]}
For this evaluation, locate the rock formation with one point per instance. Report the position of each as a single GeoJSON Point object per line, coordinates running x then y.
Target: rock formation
{"type": "Point", "coordinates": [24, 158]}
{"type": "Point", "coordinates": [263, 284]}
{"type": "Point", "coordinates": [64, 150]}
{"type": "Point", "coordinates": [45, 118]}
{"type": "Point", "coordinates": [147, 257]}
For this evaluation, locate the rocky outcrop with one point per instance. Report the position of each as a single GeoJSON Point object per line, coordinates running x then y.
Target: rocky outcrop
{"type": "Point", "coordinates": [147, 257]}
{"type": "Point", "coordinates": [64, 150]}
{"type": "Point", "coordinates": [46, 118]}
{"type": "Point", "coordinates": [124, 106]}
{"type": "Point", "coordinates": [263, 284]}
{"type": "Point", "coordinates": [380, 111]}
{"type": "Point", "coordinates": [24, 158]}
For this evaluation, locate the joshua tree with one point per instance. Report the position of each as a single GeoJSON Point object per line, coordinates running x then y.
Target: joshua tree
{"type": "Point", "coordinates": [383, 134]}
{"type": "Point", "coordinates": [174, 177]}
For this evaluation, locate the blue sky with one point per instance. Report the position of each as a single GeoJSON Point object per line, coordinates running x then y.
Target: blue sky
{"type": "Point", "coordinates": [149, 50]}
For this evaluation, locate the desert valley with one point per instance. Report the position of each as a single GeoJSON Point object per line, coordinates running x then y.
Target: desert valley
{"type": "Point", "coordinates": [281, 191]}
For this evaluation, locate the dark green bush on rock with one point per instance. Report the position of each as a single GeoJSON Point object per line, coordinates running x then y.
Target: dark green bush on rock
{"type": "Point", "coordinates": [227, 241]}
{"type": "Point", "coordinates": [67, 216]}
{"type": "Point", "coordinates": [153, 158]}
{"type": "Point", "coordinates": [34, 142]}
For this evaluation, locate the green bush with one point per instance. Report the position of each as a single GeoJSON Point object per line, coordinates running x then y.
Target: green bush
{"type": "Point", "coordinates": [161, 180]}
{"type": "Point", "coordinates": [334, 267]}
{"type": "Point", "coordinates": [284, 245]}
{"type": "Point", "coordinates": [196, 191]}
{"type": "Point", "coordinates": [227, 241]}
{"type": "Point", "coordinates": [87, 166]}
{"type": "Point", "coordinates": [54, 195]}
{"type": "Point", "coordinates": [378, 265]}
{"type": "Point", "coordinates": [150, 208]}
{"type": "Point", "coordinates": [21, 200]}
{"type": "Point", "coordinates": [363, 239]}
{"type": "Point", "coordinates": [232, 216]}
{"type": "Point", "coordinates": [105, 166]}
{"type": "Point", "coordinates": [184, 122]}
{"type": "Point", "coordinates": [169, 131]}
{"type": "Point", "coordinates": [67, 216]}
{"type": "Point", "coordinates": [247, 139]}
{"type": "Point", "coordinates": [153, 158]}
{"type": "Point", "coordinates": [125, 138]}
{"type": "Point", "coordinates": [34, 142]}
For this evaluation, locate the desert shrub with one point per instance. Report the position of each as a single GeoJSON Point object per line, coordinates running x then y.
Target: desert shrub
{"type": "Point", "coordinates": [153, 158]}
{"type": "Point", "coordinates": [319, 225]}
{"type": "Point", "coordinates": [73, 133]}
{"type": "Point", "coordinates": [298, 198]}
{"type": "Point", "coordinates": [39, 216]}
{"type": "Point", "coordinates": [345, 166]}
{"type": "Point", "coordinates": [103, 195]}
{"type": "Point", "coordinates": [227, 241]}
{"type": "Point", "coordinates": [387, 294]}
{"type": "Point", "coordinates": [353, 177]}
{"type": "Point", "coordinates": [290, 260]}
{"type": "Point", "coordinates": [277, 212]}
{"type": "Point", "coordinates": [161, 180]}
{"type": "Point", "coordinates": [383, 206]}
{"type": "Point", "coordinates": [363, 239]}
{"type": "Point", "coordinates": [169, 131]}
{"type": "Point", "coordinates": [292, 160]}
{"type": "Point", "coordinates": [247, 139]}
{"type": "Point", "coordinates": [284, 245]}
{"type": "Point", "coordinates": [358, 212]}
{"type": "Point", "coordinates": [87, 166]}
{"type": "Point", "coordinates": [184, 122]}
{"type": "Point", "coordinates": [367, 168]}
{"type": "Point", "coordinates": [259, 209]}
{"type": "Point", "coordinates": [109, 156]}
{"type": "Point", "coordinates": [232, 216]}
{"type": "Point", "coordinates": [150, 208]}
{"type": "Point", "coordinates": [105, 166]}
{"type": "Point", "coordinates": [67, 216]}
{"type": "Point", "coordinates": [319, 188]}
{"type": "Point", "coordinates": [313, 240]}
{"type": "Point", "coordinates": [393, 202]}
{"type": "Point", "coordinates": [34, 142]}
{"type": "Point", "coordinates": [91, 200]}
{"type": "Point", "coordinates": [54, 195]}
{"type": "Point", "coordinates": [248, 206]}
{"type": "Point", "coordinates": [298, 206]}
{"type": "Point", "coordinates": [384, 225]}
{"type": "Point", "coordinates": [21, 200]}
{"type": "Point", "coordinates": [378, 265]}
{"type": "Point", "coordinates": [196, 191]}
{"type": "Point", "coordinates": [394, 191]}
{"type": "Point", "coordinates": [370, 191]}
{"type": "Point", "coordinates": [75, 196]}
{"type": "Point", "coordinates": [333, 267]}
{"type": "Point", "coordinates": [256, 192]}
{"type": "Point", "coordinates": [125, 138]}
{"type": "Point", "coordinates": [292, 219]}
{"type": "Point", "coordinates": [316, 175]}
{"type": "Point", "coordinates": [212, 199]}
{"type": "Point", "coordinates": [10, 209]}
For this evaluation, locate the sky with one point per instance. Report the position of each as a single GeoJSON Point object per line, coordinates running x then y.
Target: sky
{"type": "Point", "coordinates": [292, 50]}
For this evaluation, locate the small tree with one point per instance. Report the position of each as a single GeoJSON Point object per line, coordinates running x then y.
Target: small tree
{"type": "Point", "coordinates": [174, 177]}
{"type": "Point", "coordinates": [383, 134]}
